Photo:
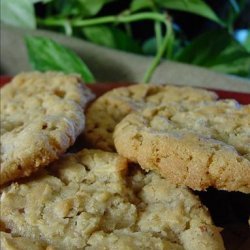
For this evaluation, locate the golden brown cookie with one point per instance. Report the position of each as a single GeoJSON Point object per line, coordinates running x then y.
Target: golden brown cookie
{"type": "Point", "coordinates": [41, 116]}
{"type": "Point", "coordinates": [92, 200]}
{"type": "Point", "coordinates": [108, 110]}
{"type": "Point", "coordinates": [201, 146]}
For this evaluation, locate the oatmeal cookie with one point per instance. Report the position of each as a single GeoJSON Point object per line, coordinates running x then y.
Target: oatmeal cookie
{"type": "Point", "coordinates": [109, 109]}
{"type": "Point", "coordinates": [201, 146]}
{"type": "Point", "coordinates": [41, 116]}
{"type": "Point", "coordinates": [92, 200]}
{"type": "Point", "coordinates": [10, 242]}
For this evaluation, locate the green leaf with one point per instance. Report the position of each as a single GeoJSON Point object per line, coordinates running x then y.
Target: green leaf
{"type": "Point", "coordinates": [246, 44]}
{"type": "Point", "coordinates": [235, 6]}
{"type": "Point", "coordinates": [64, 8]}
{"type": "Point", "coordinates": [45, 54]}
{"type": "Point", "coordinates": [240, 67]}
{"type": "Point", "coordinates": [92, 7]}
{"type": "Point", "coordinates": [111, 37]}
{"type": "Point", "coordinates": [141, 4]}
{"type": "Point", "coordinates": [233, 12]}
{"type": "Point", "coordinates": [40, 1]}
{"type": "Point", "coordinates": [198, 7]}
{"type": "Point", "coordinates": [19, 13]}
{"type": "Point", "coordinates": [219, 51]}
{"type": "Point", "coordinates": [84, 8]}
{"type": "Point", "coordinates": [150, 46]}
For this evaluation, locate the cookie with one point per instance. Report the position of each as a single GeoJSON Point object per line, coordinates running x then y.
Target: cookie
{"type": "Point", "coordinates": [41, 116]}
{"type": "Point", "coordinates": [92, 200]}
{"type": "Point", "coordinates": [9, 242]}
{"type": "Point", "coordinates": [201, 146]}
{"type": "Point", "coordinates": [109, 109]}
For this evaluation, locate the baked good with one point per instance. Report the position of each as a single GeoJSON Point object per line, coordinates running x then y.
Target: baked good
{"type": "Point", "coordinates": [200, 146]}
{"type": "Point", "coordinates": [92, 200]}
{"type": "Point", "coordinates": [9, 242]}
{"type": "Point", "coordinates": [41, 116]}
{"type": "Point", "coordinates": [109, 109]}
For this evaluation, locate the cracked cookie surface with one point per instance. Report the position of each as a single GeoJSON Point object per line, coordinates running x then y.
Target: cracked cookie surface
{"type": "Point", "coordinates": [41, 116]}
{"type": "Point", "coordinates": [92, 200]}
{"type": "Point", "coordinates": [108, 110]}
{"type": "Point", "coordinates": [195, 145]}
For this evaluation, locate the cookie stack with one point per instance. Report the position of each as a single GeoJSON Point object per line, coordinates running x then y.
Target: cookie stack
{"type": "Point", "coordinates": [170, 141]}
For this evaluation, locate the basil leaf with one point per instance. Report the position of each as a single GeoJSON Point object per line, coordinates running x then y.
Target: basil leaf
{"type": "Point", "coordinates": [141, 4]}
{"type": "Point", "coordinates": [83, 8]}
{"type": "Point", "coordinates": [19, 13]}
{"type": "Point", "coordinates": [149, 47]}
{"type": "Point", "coordinates": [198, 7]}
{"type": "Point", "coordinates": [40, 1]}
{"type": "Point", "coordinates": [64, 8]}
{"type": "Point", "coordinates": [219, 51]}
{"type": "Point", "coordinates": [246, 44]}
{"type": "Point", "coordinates": [45, 54]}
{"type": "Point", "coordinates": [240, 66]}
{"type": "Point", "coordinates": [92, 7]}
{"type": "Point", "coordinates": [111, 37]}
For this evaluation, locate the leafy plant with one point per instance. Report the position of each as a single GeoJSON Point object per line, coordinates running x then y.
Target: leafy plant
{"type": "Point", "coordinates": [53, 56]}
{"type": "Point", "coordinates": [18, 13]}
{"type": "Point", "coordinates": [111, 37]}
{"type": "Point", "coordinates": [219, 51]}
{"type": "Point", "coordinates": [198, 7]}
{"type": "Point", "coordinates": [93, 21]}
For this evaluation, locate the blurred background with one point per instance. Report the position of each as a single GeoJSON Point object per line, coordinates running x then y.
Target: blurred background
{"type": "Point", "coordinates": [214, 35]}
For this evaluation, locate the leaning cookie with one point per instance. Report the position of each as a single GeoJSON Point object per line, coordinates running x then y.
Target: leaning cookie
{"type": "Point", "coordinates": [108, 110]}
{"type": "Point", "coordinates": [92, 200]}
{"type": "Point", "coordinates": [41, 116]}
{"type": "Point", "coordinates": [201, 146]}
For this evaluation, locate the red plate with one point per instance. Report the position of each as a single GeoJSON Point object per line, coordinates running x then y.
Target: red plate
{"type": "Point", "coordinates": [99, 89]}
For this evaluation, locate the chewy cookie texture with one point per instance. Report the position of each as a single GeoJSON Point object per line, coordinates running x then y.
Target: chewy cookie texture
{"type": "Point", "coordinates": [9, 242]}
{"type": "Point", "coordinates": [108, 110]}
{"type": "Point", "coordinates": [41, 116]}
{"type": "Point", "coordinates": [196, 145]}
{"type": "Point", "coordinates": [92, 200]}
